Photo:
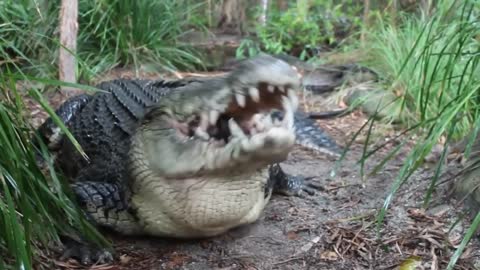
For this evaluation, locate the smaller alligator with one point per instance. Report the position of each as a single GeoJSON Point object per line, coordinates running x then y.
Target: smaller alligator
{"type": "Point", "coordinates": [321, 79]}
{"type": "Point", "coordinates": [185, 158]}
{"type": "Point", "coordinates": [467, 186]}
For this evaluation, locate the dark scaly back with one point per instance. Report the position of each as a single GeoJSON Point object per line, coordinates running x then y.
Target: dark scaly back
{"type": "Point", "coordinates": [104, 127]}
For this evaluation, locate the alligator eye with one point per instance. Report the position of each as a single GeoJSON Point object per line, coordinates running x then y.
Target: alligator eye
{"type": "Point", "coordinates": [192, 125]}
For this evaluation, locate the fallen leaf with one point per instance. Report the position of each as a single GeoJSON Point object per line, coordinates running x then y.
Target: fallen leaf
{"type": "Point", "coordinates": [411, 263]}
{"type": "Point", "coordinates": [124, 259]}
{"type": "Point", "coordinates": [291, 235]}
{"type": "Point", "coordinates": [329, 255]}
{"type": "Point", "coordinates": [177, 260]}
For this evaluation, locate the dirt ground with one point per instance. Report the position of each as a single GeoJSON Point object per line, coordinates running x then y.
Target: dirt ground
{"type": "Point", "coordinates": [332, 229]}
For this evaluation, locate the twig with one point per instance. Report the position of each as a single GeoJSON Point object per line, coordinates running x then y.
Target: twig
{"type": "Point", "coordinates": [361, 216]}
{"type": "Point", "coordinates": [288, 260]}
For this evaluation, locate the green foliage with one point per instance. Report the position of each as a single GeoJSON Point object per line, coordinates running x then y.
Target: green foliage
{"type": "Point", "coordinates": [432, 64]}
{"type": "Point", "coordinates": [25, 28]}
{"type": "Point", "coordinates": [429, 63]}
{"type": "Point", "coordinates": [303, 28]}
{"type": "Point", "coordinates": [134, 33]}
{"type": "Point", "coordinates": [34, 207]}
{"type": "Point", "coordinates": [111, 33]}
{"type": "Point", "coordinates": [468, 236]}
{"type": "Point", "coordinates": [289, 30]}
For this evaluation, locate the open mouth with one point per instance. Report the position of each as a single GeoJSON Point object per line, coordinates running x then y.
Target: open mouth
{"type": "Point", "coordinates": [249, 113]}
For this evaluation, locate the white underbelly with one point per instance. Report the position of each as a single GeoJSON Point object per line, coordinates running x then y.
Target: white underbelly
{"type": "Point", "coordinates": [199, 207]}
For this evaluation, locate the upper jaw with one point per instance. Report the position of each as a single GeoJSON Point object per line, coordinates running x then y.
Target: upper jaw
{"type": "Point", "coordinates": [228, 118]}
{"type": "Point", "coordinates": [255, 88]}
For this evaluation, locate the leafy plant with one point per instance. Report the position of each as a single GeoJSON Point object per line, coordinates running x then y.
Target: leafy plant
{"type": "Point", "coordinates": [248, 48]}
{"type": "Point", "coordinates": [34, 207]}
{"type": "Point", "coordinates": [431, 64]}
{"type": "Point", "coordinates": [288, 31]}
{"type": "Point", "coordinates": [303, 28]}
{"type": "Point", "coordinates": [25, 28]}
{"type": "Point", "coordinates": [111, 33]}
{"type": "Point", "coordinates": [121, 32]}
{"type": "Point", "coordinates": [438, 58]}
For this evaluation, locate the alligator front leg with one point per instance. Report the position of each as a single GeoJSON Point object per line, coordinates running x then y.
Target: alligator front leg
{"type": "Point", "coordinates": [49, 132]}
{"type": "Point", "coordinates": [86, 253]}
{"type": "Point", "coordinates": [290, 185]}
{"type": "Point", "coordinates": [104, 205]}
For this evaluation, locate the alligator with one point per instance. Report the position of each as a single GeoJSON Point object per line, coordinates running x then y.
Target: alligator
{"type": "Point", "coordinates": [467, 181]}
{"type": "Point", "coordinates": [185, 158]}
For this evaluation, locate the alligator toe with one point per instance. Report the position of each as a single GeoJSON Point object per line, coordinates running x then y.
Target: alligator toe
{"type": "Point", "coordinates": [292, 185]}
{"type": "Point", "coordinates": [86, 254]}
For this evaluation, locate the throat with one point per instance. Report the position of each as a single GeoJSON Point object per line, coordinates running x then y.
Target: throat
{"type": "Point", "coordinates": [199, 207]}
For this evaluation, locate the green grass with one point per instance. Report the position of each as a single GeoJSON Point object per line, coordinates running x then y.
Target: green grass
{"type": "Point", "coordinates": [34, 208]}
{"type": "Point", "coordinates": [429, 63]}
{"type": "Point", "coordinates": [25, 28]}
{"type": "Point", "coordinates": [304, 28]}
{"type": "Point", "coordinates": [143, 32]}
{"type": "Point", "coordinates": [432, 65]}
{"type": "Point", "coordinates": [112, 33]}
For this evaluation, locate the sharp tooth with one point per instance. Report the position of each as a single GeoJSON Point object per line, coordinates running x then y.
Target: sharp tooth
{"type": "Point", "coordinates": [200, 133]}
{"type": "Point", "coordinates": [213, 117]}
{"type": "Point", "coordinates": [203, 121]}
{"type": "Point", "coordinates": [281, 88]}
{"type": "Point", "coordinates": [235, 129]}
{"type": "Point", "coordinates": [241, 100]}
{"type": "Point", "coordinates": [293, 98]}
{"type": "Point", "coordinates": [258, 122]}
{"type": "Point", "coordinates": [288, 118]}
{"type": "Point", "coordinates": [254, 94]}
{"type": "Point", "coordinates": [271, 88]}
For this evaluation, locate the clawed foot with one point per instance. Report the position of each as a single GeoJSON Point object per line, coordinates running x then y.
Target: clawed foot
{"type": "Point", "coordinates": [86, 254]}
{"type": "Point", "coordinates": [290, 185]}
{"type": "Point", "coordinates": [297, 186]}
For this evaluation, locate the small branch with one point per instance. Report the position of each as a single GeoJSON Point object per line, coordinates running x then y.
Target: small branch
{"type": "Point", "coordinates": [67, 65]}
{"type": "Point", "coordinates": [263, 16]}
{"type": "Point", "coordinates": [366, 14]}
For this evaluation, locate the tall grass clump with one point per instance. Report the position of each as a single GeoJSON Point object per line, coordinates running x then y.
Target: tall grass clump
{"type": "Point", "coordinates": [429, 62]}
{"type": "Point", "coordinates": [26, 28]}
{"type": "Point", "coordinates": [123, 32]}
{"type": "Point", "coordinates": [112, 33]}
{"type": "Point", "coordinates": [432, 66]}
{"type": "Point", "coordinates": [35, 207]}
{"type": "Point", "coordinates": [304, 29]}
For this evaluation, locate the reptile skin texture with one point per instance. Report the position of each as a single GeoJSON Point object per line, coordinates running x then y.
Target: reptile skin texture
{"type": "Point", "coordinates": [103, 185]}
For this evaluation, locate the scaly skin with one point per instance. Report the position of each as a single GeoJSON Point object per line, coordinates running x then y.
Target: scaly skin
{"type": "Point", "coordinates": [186, 158]}
{"type": "Point", "coordinates": [467, 186]}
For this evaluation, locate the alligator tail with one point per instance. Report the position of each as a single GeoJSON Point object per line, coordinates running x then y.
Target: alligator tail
{"type": "Point", "coordinates": [311, 136]}
{"type": "Point", "coordinates": [329, 114]}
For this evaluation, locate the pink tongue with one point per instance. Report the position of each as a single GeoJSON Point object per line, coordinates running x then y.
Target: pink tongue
{"type": "Point", "coordinates": [182, 127]}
